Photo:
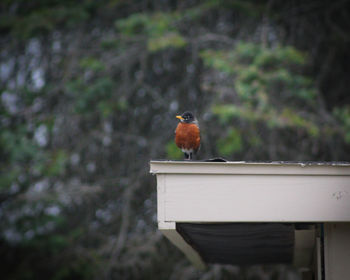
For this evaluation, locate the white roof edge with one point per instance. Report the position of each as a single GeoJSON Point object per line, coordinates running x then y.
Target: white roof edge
{"type": "Point", "coordinates": [250, 168]}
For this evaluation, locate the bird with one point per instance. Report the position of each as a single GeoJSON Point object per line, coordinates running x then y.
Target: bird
{"type": "Point", "coordinates": [187, 134]}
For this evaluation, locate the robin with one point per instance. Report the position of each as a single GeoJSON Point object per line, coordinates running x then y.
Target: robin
{"type": "Point", "coordinates": [187, 135]}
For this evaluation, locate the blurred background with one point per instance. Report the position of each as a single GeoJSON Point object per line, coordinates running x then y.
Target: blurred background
{"type": "Point", "coordinates": [89, 91]}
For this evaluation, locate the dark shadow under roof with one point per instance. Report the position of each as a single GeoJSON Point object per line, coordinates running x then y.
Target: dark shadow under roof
{"type": "Point", "coordinates": [241, 243]}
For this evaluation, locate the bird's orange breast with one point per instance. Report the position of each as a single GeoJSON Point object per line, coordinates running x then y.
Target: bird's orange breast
{"type": "Point", "coordinates": [187, 136]}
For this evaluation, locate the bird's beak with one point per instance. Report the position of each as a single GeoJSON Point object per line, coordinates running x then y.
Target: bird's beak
{"type": "Point", "coordinates": [179, 117]}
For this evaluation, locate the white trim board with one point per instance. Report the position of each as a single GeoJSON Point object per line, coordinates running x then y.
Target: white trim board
{"type": "Point", "coordinates": [252, 192]}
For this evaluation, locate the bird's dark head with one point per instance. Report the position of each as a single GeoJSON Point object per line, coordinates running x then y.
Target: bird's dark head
{"type": "Point", "coordinates": [187, 117]}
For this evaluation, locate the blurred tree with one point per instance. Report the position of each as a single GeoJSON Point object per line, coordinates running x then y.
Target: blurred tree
{"type": "Point", "coordinates": [89, 91]}
{"type": "Point", "coordinates": [271, 95]}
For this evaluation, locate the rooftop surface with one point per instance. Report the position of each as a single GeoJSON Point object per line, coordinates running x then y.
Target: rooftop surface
{"type": "Point", "coordinates": [218, 166]}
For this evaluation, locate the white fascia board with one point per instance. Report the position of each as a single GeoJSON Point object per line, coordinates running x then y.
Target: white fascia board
{"type": "Point", "coordinates": [252, 192]}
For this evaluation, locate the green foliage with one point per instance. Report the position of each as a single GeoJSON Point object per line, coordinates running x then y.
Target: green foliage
{"type": "Point", "coordinates": [270, 89]}
{"type": "Point", "coordinates": [7, 178]}
{"type": "Point", "coordinates": [79, 269]}
{"type": "Point", "coordinates": [292, 119]}
{"type": "Point", "coordinates": [172, 151]}
{"type": "Point", "coordinates": [169, 40]}
{"type": "Point", "coordinates": [96, 96]}
{"type": "Point", "coordinates": [92, 64]}
{"type": "Point", "coordinates": [37, 221]}
{"type": "Point", "coordinates": [263, 77]}
{"type": "Point", "coordinates": [34, 22]}
{"type": "Point", "coordinates": [56, 164]}
{"type": "Point", "coordinates": [110, 44]}
{"type": "Point", "coordinates": [218, 60]}
{"type": "Point", "coordinates": [21, 154]}
{"type": "Point", "coordinates": [246, 52]}
{"type": "Point", "coordinates": [231, 143]}
{"type": "Point", "coordinates": [343, 116]}
{"type": "Point", "coordinates": [228, 112]}
{"type": "Point", "coordinates": [158, 28]}
{"type": "Point", "coordinates": [18, 146]}
{"type": "Point", "coordinates": [134, 24]}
